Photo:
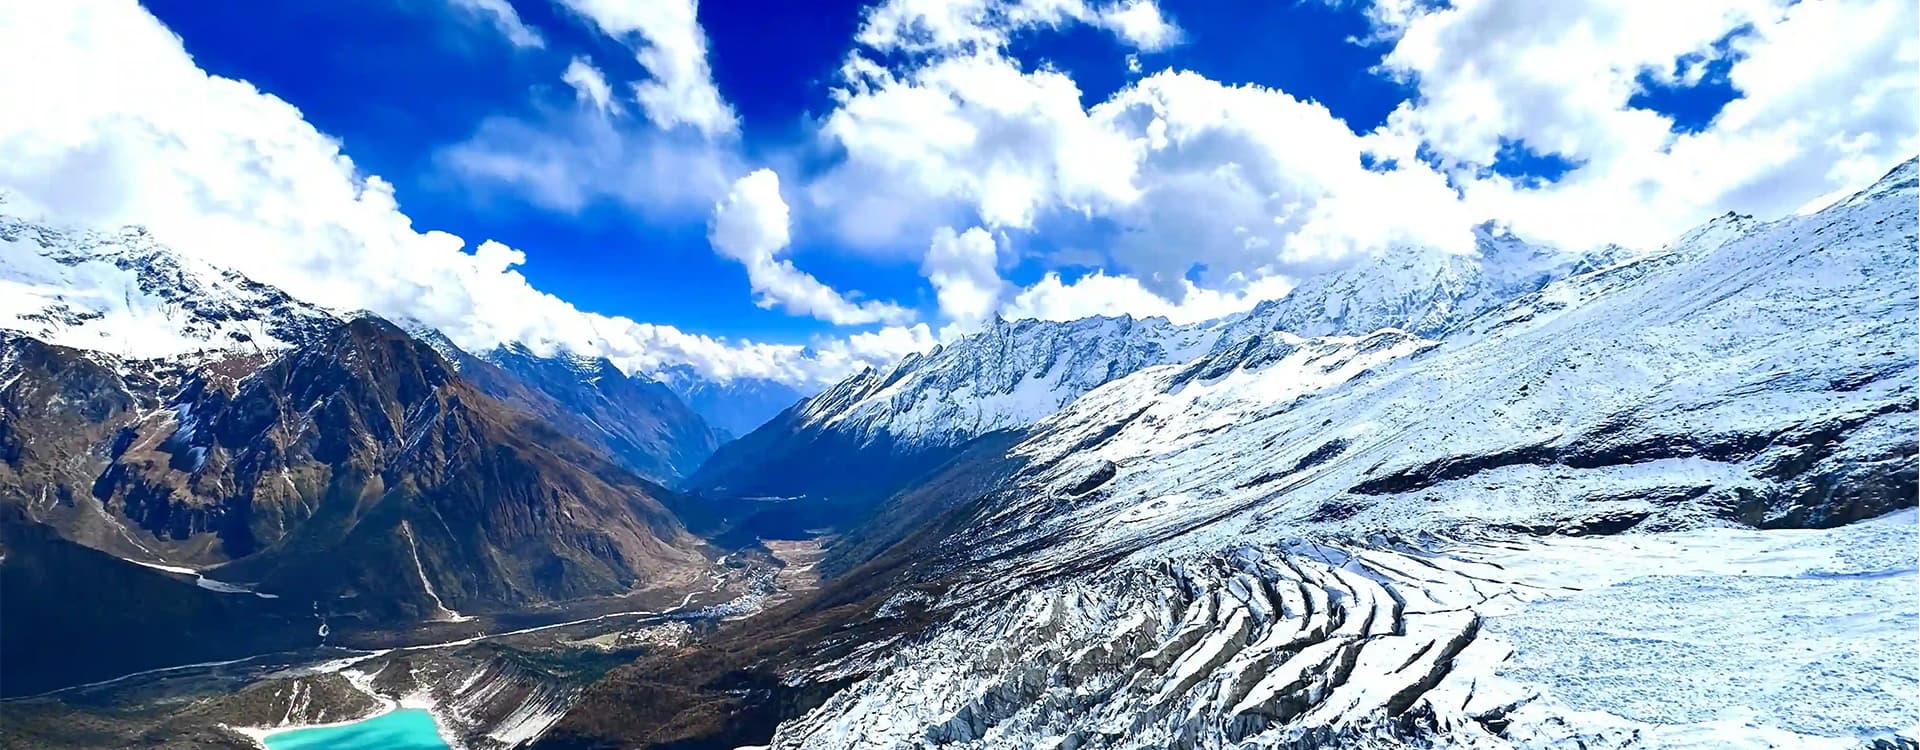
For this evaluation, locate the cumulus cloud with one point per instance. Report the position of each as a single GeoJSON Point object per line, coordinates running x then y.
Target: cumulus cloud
{"type": "Point", "coordinates": [1190, 194]}
{"type": "Point", "coordinates": [974, 130]}
{"type": "Point", "coordinates": [1191, 197]}
{"type": "Point", "coordinates": [1140, 23]}
{"type": "Point", "coordinates": [588, 83]}
{"type": "Point", "coordinates": [876, 348]}
{"type": "Point", "coordinates": [961, 268]}
{"type": "Point", "coordinates": [126, 129]}
{"type": "Point", "coordinates": [504, 20]}
{"type": "Point", "coordinates": [1826, 95]}
{"type": "Point", "coordinates": [565, 159]}
{"type": "Point", "coordinates": [751, 226]}
{"type": "Point", "coordinates": [671, 164]}
{"type": "Point", "coordinates": [1182, 177]}
{"type": "Point", "coordinates": [1098, 293]}
{"type": "Point", "coordinates": [667, 39]}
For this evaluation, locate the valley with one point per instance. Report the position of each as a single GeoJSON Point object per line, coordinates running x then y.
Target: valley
{"type": "Point", "coordinates": [488, 684]}
{"type": "Point", "coordinates": [1513, 499]}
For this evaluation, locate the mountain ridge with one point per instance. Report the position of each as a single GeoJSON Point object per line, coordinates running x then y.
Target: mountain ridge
{"type": "Point", "coordinates": [917, 414]}
{"type": "Point", "coordinates": [1531, 531]}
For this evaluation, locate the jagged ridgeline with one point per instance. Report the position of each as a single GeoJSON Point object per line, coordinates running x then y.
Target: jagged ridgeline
{"type": "Point", "coordinates": [1528, 511]}
{"type": "Point", "coordinates": [897, 425]}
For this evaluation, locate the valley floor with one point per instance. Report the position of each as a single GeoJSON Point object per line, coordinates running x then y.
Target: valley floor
{"type": "Point", "coordinates": [488, 684]}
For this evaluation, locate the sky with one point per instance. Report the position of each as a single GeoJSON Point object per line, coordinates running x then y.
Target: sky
{"type": "Point", "coordinates": [763, 188]}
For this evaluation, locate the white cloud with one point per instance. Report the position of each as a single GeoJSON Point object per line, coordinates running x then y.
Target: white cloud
{"type": "Point", "coordinates": [126, 129]}
{"type": "Point", "coordinates": [1242, 182]}
{"type": "Point", "coordinates": [1179, 187]}
{"type": "Point", "coordinates": [985, 25]}
{"type": "Point", "coordinates": [667, 40]}
{"type": "Point", "coordinates": [751, 226]}
{"type": "Point", "coordinates": [588, 83]}
{"type": "Point", "coordinates": [1140, 23]}
{"type": "Point", "coordinates": [1097, 293]}
{"type": "Point", "coordinates": [1555, 77]}
{"type": "Point", "coordinates": [1826, 103]}
{"type": "Point", "coordinates": [961, 269]}
{"type": "Point", "coordinates": [1193, 198]}
{"type": "Point", "coordinates": [876, 349]}
{"type": "Point", "coordinates": [1251, 182]}
{"type": "Point", "coordinates": [565, 160]}
{"type": "Point", "coordinates": [973, 129]}
{"type": "Point", "coordinates": [504, 19]}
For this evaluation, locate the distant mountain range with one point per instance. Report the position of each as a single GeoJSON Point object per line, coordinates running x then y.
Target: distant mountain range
{"type": "Point", "coordinates": [731, 407]}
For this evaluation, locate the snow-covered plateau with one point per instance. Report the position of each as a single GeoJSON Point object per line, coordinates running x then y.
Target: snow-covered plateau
{"type": "Point", "coordinates": [1664, 502]}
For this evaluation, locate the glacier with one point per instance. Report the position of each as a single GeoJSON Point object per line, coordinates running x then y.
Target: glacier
{"type": "Point", "coordinates": [1663, 501]}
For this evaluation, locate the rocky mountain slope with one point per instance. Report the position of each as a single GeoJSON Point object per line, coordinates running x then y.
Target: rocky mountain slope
{"type": "Point", "coordinates": [122, 293]}
{"type": "Point", "coordinates": [640, 421]}
{"type": "Point", "coordinates": [637, 421]}
{"type": "Point", "coordinates": [110, 617]}
{"type": "Point", "coordinates": [1577, 520]}
{"type": "Point", "coordinates": [340, 468]}
{"type": "Point", "coordinates": [320, 472]}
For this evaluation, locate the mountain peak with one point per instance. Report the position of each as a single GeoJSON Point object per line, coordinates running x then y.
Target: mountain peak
{"type": "Point", "coordinates": [1422, 290]}
{"type": "Point", "coordinates": [1903, 179]}
{"type": "Point", "coordinates": [123, 292]}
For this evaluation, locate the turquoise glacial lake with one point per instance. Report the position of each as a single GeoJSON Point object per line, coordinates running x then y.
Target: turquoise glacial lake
{"type": "Point", "coordinates": [405, 729]}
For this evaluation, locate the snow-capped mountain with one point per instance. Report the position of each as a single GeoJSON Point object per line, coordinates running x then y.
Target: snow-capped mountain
{"type": "Point", "coordinates": [358, 478]}
{"type": "Point", "coordinates": [124, 293]}
{"type": "Point", "coordinates": [732, 407]}
{"type": "Point", "coordinates": [916, 414]}
{"type": "Point", "coordinates": [1666, 502]}
{"type": "Point", "coordinates": [913, 416]}
{"type": "Point", "coordinates": [642, 422]}
{"type": "Point", "coordinates": [1420, 290]}
{"type": "Point", "coordinates": [1006, 376]}
{"type": "Point", "coordinates": [161, 416]}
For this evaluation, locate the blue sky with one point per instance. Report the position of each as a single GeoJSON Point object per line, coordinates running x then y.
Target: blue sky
{"type": "Point", "coordinates": [796, 190]}
{"type": "Point", "coordinates": [394, 81]}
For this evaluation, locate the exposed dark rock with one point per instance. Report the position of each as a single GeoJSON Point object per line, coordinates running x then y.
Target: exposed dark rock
{"type": "Point", "coordinates": [639, 422]}
{"type": "Point", "coordinates": [360, 470]}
